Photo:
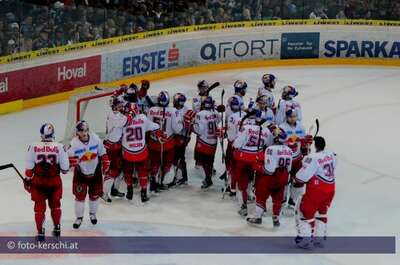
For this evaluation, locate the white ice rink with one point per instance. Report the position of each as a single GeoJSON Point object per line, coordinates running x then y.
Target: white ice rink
{"type": "Point", "coordinates": [358, 109]}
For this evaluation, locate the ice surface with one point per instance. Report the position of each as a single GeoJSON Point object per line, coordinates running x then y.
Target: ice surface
{"type": "Point", "coordinates": [358, 109]}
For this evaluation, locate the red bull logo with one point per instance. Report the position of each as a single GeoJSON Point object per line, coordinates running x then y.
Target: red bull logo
{"type": "Point", "coordinates": [88, 156]}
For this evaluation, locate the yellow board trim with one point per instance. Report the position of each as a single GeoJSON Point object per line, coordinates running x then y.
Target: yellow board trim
{"type": "Point", "coordinates": [23, 56]}
{"type": "Point", "coordinates": [30, 103]}
{"type": "Point", "coordinates": [12, 106]}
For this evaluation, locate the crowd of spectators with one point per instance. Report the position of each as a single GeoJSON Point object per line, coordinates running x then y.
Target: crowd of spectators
{"type": "Point", "coordinates": [32, 25]}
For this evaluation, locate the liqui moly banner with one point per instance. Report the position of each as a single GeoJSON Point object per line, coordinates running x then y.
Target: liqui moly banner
{"type": "Point", "coordinates": [49, 79]}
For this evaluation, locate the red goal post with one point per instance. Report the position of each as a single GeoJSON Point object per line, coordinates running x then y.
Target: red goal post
{"type": "Point", "coordinates": [92, 107]}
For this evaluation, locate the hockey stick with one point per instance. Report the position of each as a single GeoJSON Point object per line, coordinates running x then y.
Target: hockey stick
{"type": "Point", "coordinates": [162, 123]}
{"type": "Point", "coordinates": [11, 165]}
{"type": "Point", "coordinates": [317, 130]}
{"type": "Point", "coordinates": [222, 126]}
{"type": "Point", "coordinates": [216, 84]}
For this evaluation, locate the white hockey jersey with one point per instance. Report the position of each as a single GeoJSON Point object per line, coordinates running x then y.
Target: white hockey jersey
{"type": "Point", "coordinates": [196, 103]}
{"type": "Point", "coordinates": [233, 125]}
{"type": "Point", "coordinates": [294, 134]}
{"type": "Point", "coordinates": [134, 137]}
{"type": "Point", "coordinates": [205, 126]}
{"type": "Point", "coordinates": [262, 91]}
{"type": "Point", "coordinates": [277, 156]}
{"type": "Point", "coordinates": [50, 152]}
{"type": "Point", "coordinates": [322, 165]}
{"type": "Point", "coordinates": [250, 142]}
{"type": "Point", "coordinates": [229, 111]}
{"type": "Point", "coordinates": [87, 153]}
{"type": "Point", "coordinates": [114, 125]}
{"type": "Point", "coordinates": [170, 122]}
{"type": "Point", "coordinates": [181, 113]}
{"type": "Point", "coordinates": [269, 116]}
{"type": "Point", "coordinates": [285, 105]}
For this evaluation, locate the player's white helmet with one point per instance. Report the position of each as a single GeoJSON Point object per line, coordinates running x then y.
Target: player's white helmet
{"type": "Point", "coordinates": [179, 100]}
{"type": "Point", "coordinates": [240, 87]}
{"type": "Point", "coordinates": [163, 99]}
{"type": "Point", "coordinates": [289, 92]}
{"type": "Point", "coordinates": [82, 126]}
{"type": "Point", "coordinates": [203, 87]}
{"type": "Point", "coordinates": [236, 103]}
{"type": "Point", "coordinates": [269, 80]}
{"type": "Point", "coordinates": [47, 131]}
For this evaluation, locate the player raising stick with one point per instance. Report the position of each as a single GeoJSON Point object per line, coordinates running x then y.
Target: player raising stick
{"type": "Point", "coordinates": [272, 177]}
{"type": "Point", "coordinates": [89, 159]}
{"type": "Point", "coordinates": [318, 174]}
{"type": "Point", "coordinates": [135, 153]}
{"type": "Point", "coordinates": [44, 162]}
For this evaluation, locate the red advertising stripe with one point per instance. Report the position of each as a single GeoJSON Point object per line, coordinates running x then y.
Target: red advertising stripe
{"type": "Point", "coordinates": [49, 79]}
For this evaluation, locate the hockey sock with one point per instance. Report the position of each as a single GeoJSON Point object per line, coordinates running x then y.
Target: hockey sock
{"type": "Point", "coordinates": [118, 181]}
{"type": "Point", "coordinates": [40, 208]}
{"type": "Point", "coordinates": [93, 206]}
{"type": "Point", "coordinates": [259, 211]}
{"type": "Point", "coordinates": [79, 208]}
{"type": "Point", "coordinates": [107, 186]}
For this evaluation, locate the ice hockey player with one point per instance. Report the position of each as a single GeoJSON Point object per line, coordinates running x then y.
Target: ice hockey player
{"type": "Point", "coordinates": [144, 100]}
{"type": "Point", "coordinates": [269, 81]}
{"type": "Point", "coordinates": [206, 128]}
{"type": "Point", "coordinates": [233, 124]}
{"type": "Point", "coordinates": [287, 102]}
{"type": "Point", "coordinates": [112, 142]}
{"type": "Point", "coordinates": [131, 94]}
{"type": "Point", "coordinates": [89, 159]}
{"type": "Point", "coordinates": [202, 87]}
{"type": "Point", "coordinates": [45, 161]}
{"type": "Point", "coordinates": [162, 153]}
{"type": "Point", "coordinates": [240, 88]}
{"type": "Point", "coordinates": [272, 177]}
{"type": "Point", "coordinates": [249, 148]}
{"type": "Point", "coordinates": [135, 153]}
{"type": "Point", "coordinates": [263, 104]}
{"type": "Point", "coordinates": [182, 138]}
{"type": "Point", "coordinates": [297, 141]}
{"type": "Point", "coordinates": [318, 175]}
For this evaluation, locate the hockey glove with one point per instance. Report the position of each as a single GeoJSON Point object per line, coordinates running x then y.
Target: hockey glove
{"type": "Point", "coordinates": [73, 161]}
{"type": "Point", "coordinates": [188, 118]}
{"type": "Point", "coordinates": [221, 108]}
{"type": "Point", "coordinates": [145, 84]}
{"type": "Point", "coordinates": [220, 132]}
{"type": "Point", "coordinates": [105, 164]}
{"type": "Point", "coordinates": [161, 136]}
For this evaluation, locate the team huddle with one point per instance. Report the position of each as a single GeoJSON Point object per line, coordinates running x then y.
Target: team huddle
{"type": "Point", "coordinates": [268, 154]}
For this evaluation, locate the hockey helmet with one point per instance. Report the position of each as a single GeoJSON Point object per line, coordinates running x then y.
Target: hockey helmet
{"type": "Point", "coordinates": [179, 100]}
{"type": "Point", "coordinates": [163, 99]}
{"type": "Point", "coordinates": [240, 87]}
{"type": "Point", "coordinates": [269, 80]}
{"type": "Point", "coordinates": [47, 131]}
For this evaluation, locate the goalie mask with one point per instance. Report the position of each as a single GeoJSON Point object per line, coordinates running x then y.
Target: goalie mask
{"type": "Point", "coordinates": [47, 131]}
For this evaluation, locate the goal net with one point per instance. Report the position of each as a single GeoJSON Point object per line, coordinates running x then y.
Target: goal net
{"type": "Point", "coordinates": [93, 107]}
